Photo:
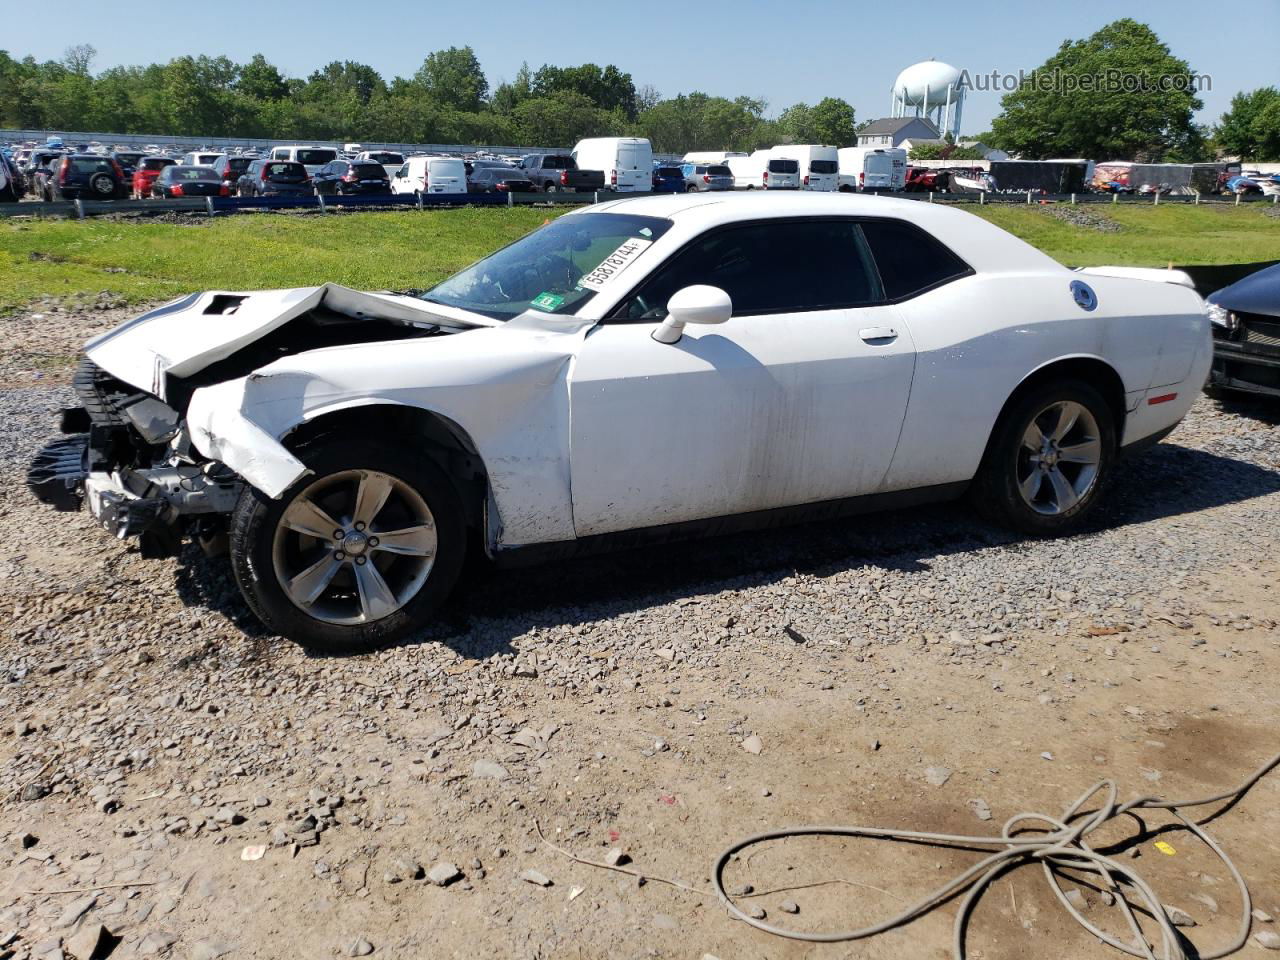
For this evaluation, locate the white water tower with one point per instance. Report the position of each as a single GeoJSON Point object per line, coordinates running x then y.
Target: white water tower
{"type": "Point", "coordinates": [930, 89]}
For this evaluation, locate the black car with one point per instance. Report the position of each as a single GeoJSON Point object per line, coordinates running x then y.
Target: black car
{"type": "Point", "coordinates": [274, 178]}
{"type": "Point", "coordinates": [497, 180]}
{"type": "Point", "coordinates": [232, 169]}
{"type": "Point", "coordinates": [351, 176]}
{"type": "Point", "coordinates": [1246, 334]}
{"type": "Point", "coordinates": [183, 181]}
{"type": "Point", "coordinates": [128, 161]}
{"type": "Point", "coordinates": [86, 176]}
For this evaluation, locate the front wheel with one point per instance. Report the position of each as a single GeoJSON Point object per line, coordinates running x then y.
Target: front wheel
{"type": "Point", "coordinates": [354, 556]}
{"type": "Point", "coordinates": [1048, 459]}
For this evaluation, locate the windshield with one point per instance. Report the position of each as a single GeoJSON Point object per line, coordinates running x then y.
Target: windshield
{"type": "Point", "coordinates": [555, 269]}
{"type": "Point", "coordinates": [195, 173]}
{"type": "Point", "coordinates": [557, 163]}
{"type": "Point", "coordinates": [720, 171]}
{"type": "Point", "coordinates": [315, 157]}
{"type": "Point", "coordinates": [368, 171]}
{"type": "Point", "coordinates": [784, 166]}
{"type": "Point", "coordinates": [822, 166]}
{"type": "Point", "coordinates": [668, 172]}
{"type": "Point", "coordinates": [156, 163]}
{"type": "Point", "coordinates": [386, 158]}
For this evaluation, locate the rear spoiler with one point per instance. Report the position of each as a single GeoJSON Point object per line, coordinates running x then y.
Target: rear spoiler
{"type": "Point", "coordinates": [1142, 273]}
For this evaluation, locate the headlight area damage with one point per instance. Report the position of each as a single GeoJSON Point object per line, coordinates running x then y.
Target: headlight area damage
{"type": "Point", "coordinates": [127, 450]}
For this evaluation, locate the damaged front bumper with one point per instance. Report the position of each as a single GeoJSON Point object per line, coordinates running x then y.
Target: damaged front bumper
{"type": "Point", "coordinates": [159, 505]}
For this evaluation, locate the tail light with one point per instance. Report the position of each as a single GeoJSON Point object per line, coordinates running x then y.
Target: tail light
{"type": "Point", "coordinates": [862, 177]}
{"type": "Point", "coordinates": [706, 178]}
{"type": "Point", "coordinates": [564, 178]}
{"type": "Point", "coordinates": [504, 187]}
{"type": "Point", "coordinates": [119, 172]}
{"type": "Point", "coordinates": [806, 179]}
{"type": "Point", "coordinates": [613, 178]}
{"type": "Point", "coordinates": [349, 178]}
{"type": "Point", "coordinates": [224, 191]}
{"type": "Point", "coordinates": [64, 170]}
{"type": "Point", "coordinates": [176, 190]}
{"type": "Point", "coordinates": [766, 176]}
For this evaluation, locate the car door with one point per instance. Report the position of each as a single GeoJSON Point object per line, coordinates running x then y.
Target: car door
{"type": "Point", "coordinates": [398, 181]}
{"type": "Point", "coordinates": [798, 398]}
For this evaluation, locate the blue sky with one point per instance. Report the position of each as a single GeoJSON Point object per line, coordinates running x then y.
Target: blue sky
{"type": "Point", "coordinates": [783, 50]}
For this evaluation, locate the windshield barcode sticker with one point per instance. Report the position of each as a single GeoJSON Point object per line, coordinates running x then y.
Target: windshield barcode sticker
{"type": "Point", "coordinates": [614, 264]}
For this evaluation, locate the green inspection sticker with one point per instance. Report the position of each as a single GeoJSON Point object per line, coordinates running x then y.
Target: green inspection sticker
{"type": "Point", "coordinates": [547, 301]}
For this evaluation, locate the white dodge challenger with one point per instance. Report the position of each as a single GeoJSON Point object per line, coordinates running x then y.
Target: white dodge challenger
{"type": "Point", "coordinates": [645, 368]}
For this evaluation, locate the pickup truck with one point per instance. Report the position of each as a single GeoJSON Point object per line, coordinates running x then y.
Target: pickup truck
{"type": "Point", "coordinates": [550, 172]}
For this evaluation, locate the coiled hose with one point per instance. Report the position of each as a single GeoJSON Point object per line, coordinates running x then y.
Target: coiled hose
{"type": "Point", "coordinates": [1062, 844]}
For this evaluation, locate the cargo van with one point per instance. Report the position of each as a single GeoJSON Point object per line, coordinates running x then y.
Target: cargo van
{"type": "Point", "coordinates": [872, 168]}
{"type": "Point", "coordinates": [763, 171]}
{"type": "Point", "coordinates": [313, 158]}
{"type": "Point", "coordinates": [627, 162]}
{"type": "Point", "coordinates": [430, 175]}
{"type": "Point", "coordinates": [819, 165]}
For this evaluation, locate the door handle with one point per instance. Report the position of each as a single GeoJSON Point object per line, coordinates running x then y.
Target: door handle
{"type": "Point", "coordinates": [871, 334]}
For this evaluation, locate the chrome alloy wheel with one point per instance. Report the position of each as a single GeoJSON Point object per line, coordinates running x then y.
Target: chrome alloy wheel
{"type": "Point", "coordinates": [354, 547]}
{"type": "Point", "coordinates": [1058, 459]}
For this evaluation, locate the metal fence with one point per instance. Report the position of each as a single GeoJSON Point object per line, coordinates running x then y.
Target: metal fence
{"type": "Point", "coordinates": [212, 206]}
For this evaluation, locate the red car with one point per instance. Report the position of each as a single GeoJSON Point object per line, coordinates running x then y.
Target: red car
{"type": "Point", "coordinates": [144, 175]}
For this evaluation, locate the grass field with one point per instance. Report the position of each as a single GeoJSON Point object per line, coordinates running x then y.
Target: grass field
{"type": "Point", "coordinates": [146, 261]}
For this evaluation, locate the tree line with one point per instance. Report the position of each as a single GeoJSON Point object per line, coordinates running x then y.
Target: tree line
{"type": "Point", "coordinates": [449, 100]}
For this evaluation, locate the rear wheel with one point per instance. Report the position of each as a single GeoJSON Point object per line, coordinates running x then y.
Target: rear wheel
{"type": "Point", "coordinates": [1048, 459]}
{"type": "Point", "coordinates": [355, 555]}
{"type": "Point", "coordinates": [552, 187]}
{"type": "Point", "coordinates": [102, 185]}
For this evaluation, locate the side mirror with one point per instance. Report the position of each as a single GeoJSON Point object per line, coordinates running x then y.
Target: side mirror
{"type": "Point", "coordinates": [694, 304]}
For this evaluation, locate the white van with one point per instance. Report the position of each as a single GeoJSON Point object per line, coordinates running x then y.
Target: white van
{"type": "Point", "coordinates": [711, 156]}
{"type": "Point", "coordinates": [430, 175]}
{"type": "Point", "coordinates": [872, 168]}
{"type": "Point", "coordinates": [763, 171]}
{"type": "Point", "coordinates": [627, 162]}
{"type": "Point", "coordinates": [313, 158]}
{"type": "Point", "coordinates": [819, 164]}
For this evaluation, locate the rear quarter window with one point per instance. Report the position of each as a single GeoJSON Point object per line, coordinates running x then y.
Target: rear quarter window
{"type": "Point", "coordinates": [910, 260]}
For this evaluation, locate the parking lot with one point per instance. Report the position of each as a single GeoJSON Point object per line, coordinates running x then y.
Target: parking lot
{"type": "Point", "coordinates": [910, 669]}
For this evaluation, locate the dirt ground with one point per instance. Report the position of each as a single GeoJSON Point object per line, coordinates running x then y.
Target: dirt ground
{"type": "Point", "coordinates": [905, 670]}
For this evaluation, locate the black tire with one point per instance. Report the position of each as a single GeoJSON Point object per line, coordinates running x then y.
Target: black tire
{"type": "Point", "coordinates": [690, 188]}
{"type": "Point", "coordinates": [102, 185]}
{"type": "Point", "coordinates": [256, 518]}
{"type": "Point", "coordinates": [995, 490]}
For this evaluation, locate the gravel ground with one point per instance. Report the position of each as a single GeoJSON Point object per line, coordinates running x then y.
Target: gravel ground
{"type": "Point", "coordinates": [910, 669]}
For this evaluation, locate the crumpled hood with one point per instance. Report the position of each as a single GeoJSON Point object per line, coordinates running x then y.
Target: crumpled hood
{"type": "Point", "coordinates": [187, 335]}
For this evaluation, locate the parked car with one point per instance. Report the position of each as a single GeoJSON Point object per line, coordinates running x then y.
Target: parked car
{"type": "Point", "coordinates": [668, 178]}
{"type": "Point", "coordinates": [730, 337]}
{"type": "Point", "coordinates": [201, 158]}
{"type": "Point", "coordinates": [144, 176]}
{"type": "Point", "coordinates": [39, 171]}
{"type": "Point", "coordinates": [552, 172]}
{"type": "Point", "coordinates": [231, 168]}
{"type": "Point", "coordinates": [128, 161]}
{"type": "Point", "coordinates": [1246, 334]}
{"type": "Point", "coordinates": [86, 176]}
{"type": "Point", "coordinates": [500, 179]}
{"type": "Point", "coordinates": [313, 158]}
{"type": "Point", "coordinates": [274, 178]}
{"type": "Point", "coordinates": [627, 162]}
{"type": "Point", "coordinates": [428, 175]}
{"type": "Point", "coordinates": [389, 159]}
{"type": "Point", "coordinates": [11, 184]}
{"type": "Point", "coordinates": [346, 176]}
{"type": "Point", "coordinates": [180, 180]}
{"type": "Point", "coordinates": [703, 177]}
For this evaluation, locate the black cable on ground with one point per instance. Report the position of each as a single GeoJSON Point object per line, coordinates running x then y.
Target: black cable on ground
{"type": "Point", "coordinates": [1057, 844]}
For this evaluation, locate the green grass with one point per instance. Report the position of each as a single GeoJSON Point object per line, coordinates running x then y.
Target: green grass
{"type": "Point", "coordinates": [1149, 236]}
{"type": "Point", "coordinates": [147, 261]}
{"type": "Point", "coordinates": [368, 251]}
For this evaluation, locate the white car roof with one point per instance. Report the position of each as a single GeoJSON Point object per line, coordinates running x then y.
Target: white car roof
{"type": "Point", "coordinates": [981, 244]}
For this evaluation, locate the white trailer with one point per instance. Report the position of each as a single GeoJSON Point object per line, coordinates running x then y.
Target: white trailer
{"type": "Point", "coordinates": [627, 162]}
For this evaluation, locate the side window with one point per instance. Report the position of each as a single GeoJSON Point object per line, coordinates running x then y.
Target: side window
{"type": "Point", "coordinates": [909, 259]}
{"type": "Point", "coordinates": [403, 171]}
{"type": "Point", "coordinates": [771, 267]}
